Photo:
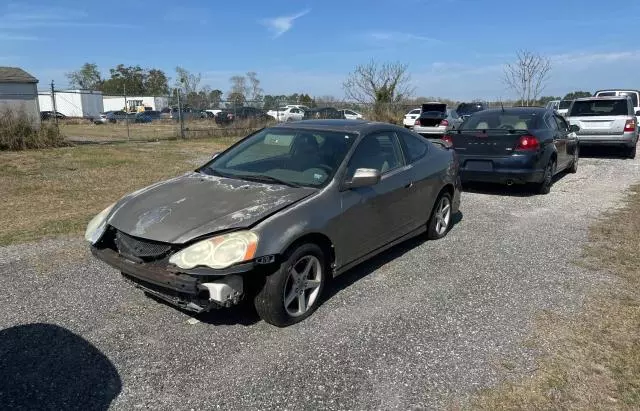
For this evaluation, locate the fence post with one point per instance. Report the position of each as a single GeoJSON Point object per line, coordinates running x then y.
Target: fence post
{"type": "Point", "coordinates": [126, 110]}
{"type": "Point", "coordinates": [53, 104]}
{"type": "Point", "coordinates": [180, 116]}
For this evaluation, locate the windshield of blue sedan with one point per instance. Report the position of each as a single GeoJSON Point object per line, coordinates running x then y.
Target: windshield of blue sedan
{"type": "Point", "coordinates": [284, 156]}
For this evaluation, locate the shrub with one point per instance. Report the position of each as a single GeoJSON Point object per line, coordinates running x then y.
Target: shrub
{"type": "Point", "coordinates": [17, 132]}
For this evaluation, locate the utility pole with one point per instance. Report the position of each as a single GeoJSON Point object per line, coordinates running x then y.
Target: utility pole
{"type": "Point", "coordinates": [180, 116]}
{"type": "Point", "coordinates": [126, 109]}
{"type": "Point", "coordinates": [53, 104]}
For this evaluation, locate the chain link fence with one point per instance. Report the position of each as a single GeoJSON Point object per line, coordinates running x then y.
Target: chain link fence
{"type": "Point", "coordinates": [89, 116]}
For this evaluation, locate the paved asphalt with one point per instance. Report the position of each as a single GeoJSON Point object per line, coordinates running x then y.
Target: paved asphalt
{"type": "Point", "coordinates": [423, 325]}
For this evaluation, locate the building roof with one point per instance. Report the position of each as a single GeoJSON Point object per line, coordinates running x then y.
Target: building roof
{"type": "Point", "coordinates": [15, 75]}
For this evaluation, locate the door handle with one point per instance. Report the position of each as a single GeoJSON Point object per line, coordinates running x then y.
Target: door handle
{"type": "Point", "coordinates": [409, 185]}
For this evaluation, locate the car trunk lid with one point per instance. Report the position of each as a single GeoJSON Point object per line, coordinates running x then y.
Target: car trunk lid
{"type": "Point", "coordinates": [602, 125]}
{"type": "Point", "coordinates": [487, 142]}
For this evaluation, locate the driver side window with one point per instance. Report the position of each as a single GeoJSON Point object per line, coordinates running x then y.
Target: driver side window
{"type": "Point", "coordinates": [380, 151]}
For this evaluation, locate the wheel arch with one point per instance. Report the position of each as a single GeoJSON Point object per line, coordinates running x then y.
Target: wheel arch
{"type": "Point", "coordinates": [321, 240]}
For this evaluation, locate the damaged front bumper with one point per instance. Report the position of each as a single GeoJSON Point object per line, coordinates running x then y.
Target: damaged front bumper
{"type": "Point", "coordinates": [196, 290]}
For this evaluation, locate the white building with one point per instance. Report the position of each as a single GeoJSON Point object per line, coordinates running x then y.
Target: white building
{"type": "Point", "coordinates": [73, 103]}
{"type": "Point", "coordinates": [19, 92]}
{"type": "Point", "coordinates": [135, 103]}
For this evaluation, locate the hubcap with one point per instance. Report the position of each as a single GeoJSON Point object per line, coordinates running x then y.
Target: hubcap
{"type": "Point", "coordinates": [302, 286]}
{"type": "Point", "coordinates": [443, 215]}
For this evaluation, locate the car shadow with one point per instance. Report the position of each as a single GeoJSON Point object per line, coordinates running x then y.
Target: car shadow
{"type": "Point", "coordinates": [362, 270]}
{"type": "Point", "coordinates": [44, 366]}
{"type": "Point", "coordinates": [602, 152]}
{"type": "Point", "coordinates": [516, 190]}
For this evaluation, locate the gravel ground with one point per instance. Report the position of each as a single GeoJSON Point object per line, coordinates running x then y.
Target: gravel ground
{"type": "Point", "coordinates": [423, 325]}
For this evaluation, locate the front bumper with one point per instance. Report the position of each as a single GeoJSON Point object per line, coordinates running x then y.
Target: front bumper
{"type": "Point", "coordinates": [195, 290]}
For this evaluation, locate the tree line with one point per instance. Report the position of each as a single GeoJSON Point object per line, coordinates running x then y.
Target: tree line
{"type": "Point", "coordinates": [383, 86]}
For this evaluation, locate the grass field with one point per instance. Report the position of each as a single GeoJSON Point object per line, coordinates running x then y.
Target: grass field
{"type": "Point", "coordinates": [53, 192]}
{"type": "Point", "coordinates": [594, 360]}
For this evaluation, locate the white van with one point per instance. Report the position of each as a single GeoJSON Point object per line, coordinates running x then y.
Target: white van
{"type": "Point", "coordinates": [634, 94]}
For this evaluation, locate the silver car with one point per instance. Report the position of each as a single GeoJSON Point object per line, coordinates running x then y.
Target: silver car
{"type": "Point", "coordinates": [606, 121]}
{"type": "Point", "coordinates": [436, 119]}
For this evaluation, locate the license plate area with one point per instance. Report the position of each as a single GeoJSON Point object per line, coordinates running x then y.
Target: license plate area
{"type": "Point", "coordinates": [478, 165]}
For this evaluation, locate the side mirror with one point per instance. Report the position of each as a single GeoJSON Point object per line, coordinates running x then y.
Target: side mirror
{"type": "Point", "coordinates": [573, 128]}
{"type": "Point", "coordinates": [214, 155]}
{"type": "Point", "coordinates": [638, 113]}
{"type": "Point", "coordinates": [364, 177]}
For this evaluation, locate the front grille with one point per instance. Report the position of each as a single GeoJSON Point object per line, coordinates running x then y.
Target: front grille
{"type": "Point", "coordinates": [139, 247]}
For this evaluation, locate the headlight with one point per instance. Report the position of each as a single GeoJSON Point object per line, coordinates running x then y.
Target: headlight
{"type": "Point", "coordinates": [96, 226]}
{"type": "Point", "coordinates": [218, 252]}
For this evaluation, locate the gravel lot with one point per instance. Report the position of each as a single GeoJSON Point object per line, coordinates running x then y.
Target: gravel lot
{"type": "Point", "coordinates": [424, 325]}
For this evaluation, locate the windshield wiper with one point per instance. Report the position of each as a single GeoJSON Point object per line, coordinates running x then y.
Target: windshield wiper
{"type": "Point", "coordinates": [262, 178]}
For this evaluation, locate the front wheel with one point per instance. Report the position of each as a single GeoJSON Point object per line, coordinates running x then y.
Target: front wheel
{"type": "Point", "coordinates": [293, 292]}
{"type": "Point", "coordinates": [441, 217]}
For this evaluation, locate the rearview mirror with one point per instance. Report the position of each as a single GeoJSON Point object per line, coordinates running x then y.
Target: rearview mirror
{"type": "Point", "coordinates": [573, 128]}
{"type": "Point", "coordinates": [364, 177]}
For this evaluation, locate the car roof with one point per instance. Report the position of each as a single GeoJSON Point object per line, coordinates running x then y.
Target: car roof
{"type": "Point", "coordinates": [352, 126]}
{"type": "Point", "coordinates": [604, 98]}
{"type": "Point", "coordinates": [617, 89]}
{"type": "Point", "coordinates": [516, 110]}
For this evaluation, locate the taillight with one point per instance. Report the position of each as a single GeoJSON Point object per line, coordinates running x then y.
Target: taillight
{"type": "Point", "coordinates": [448, 139]}
{"type": "Point", "coordinates": [630, 125]}
{"type": "Point", "coordinates": [417, 122]}
{"type": "Point", "coordinates": [528, 143]}
{"type": "Point", "coordinates": [444, 123]}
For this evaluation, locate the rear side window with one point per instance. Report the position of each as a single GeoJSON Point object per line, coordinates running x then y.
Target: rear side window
{"type": "Point", "coordinates": [564, 104]}
{"type": "Point", "coordinates": [633, 95]}
{"type": "Point", "coordinates": [617, 107]}
{"type": "Point", "coordinates": [414, 147]}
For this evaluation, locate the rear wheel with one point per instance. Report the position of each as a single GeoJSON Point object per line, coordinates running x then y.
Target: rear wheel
{"type": "Point", "coordinates": [441, 217]}
{"type": "Point", "coordinates": [631, 152]}
{"type": "Point", "coordinates": [573, 168]}
{"type": "Point", "coordinates": [544, 187]}
{"type": "Point", "coordinates": [293, 292]}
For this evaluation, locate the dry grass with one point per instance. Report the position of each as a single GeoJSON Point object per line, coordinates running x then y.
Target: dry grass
{"type": "Point", "coordinates": [53, 192]}
{"type": "Point", "coordinates": [157, 130]}
{"type": "Point", "coordinates": [17, 132]}
{"type": "Point", "coordinates": [594, 360]}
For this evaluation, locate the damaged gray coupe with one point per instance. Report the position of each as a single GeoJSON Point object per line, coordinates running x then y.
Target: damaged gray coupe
{"type": "Point", "coordinates": [277, 215]}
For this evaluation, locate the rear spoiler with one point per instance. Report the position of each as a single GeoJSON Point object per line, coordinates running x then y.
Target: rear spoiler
{"type": "Point", "coordinates": [442, 143]}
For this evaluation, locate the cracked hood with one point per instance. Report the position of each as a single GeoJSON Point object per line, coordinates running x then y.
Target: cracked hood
{"type": "Point", "coordinates": [195, 204]}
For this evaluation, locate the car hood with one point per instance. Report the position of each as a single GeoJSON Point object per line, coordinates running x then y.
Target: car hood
{"type": "Point", "coordinates": [193, 205]}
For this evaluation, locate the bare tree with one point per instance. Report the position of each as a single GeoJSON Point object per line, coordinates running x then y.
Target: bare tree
{"type": "Point", "coordinates": [187, 81]}
{"type": "Point", "coordinates": [378, 83]}
{"type": "Point", "coordinates": [528, 76]}
{"type": "Point", "coordinates": [237, 94]}
{"type": "Point", "coordinates": [253, 91]}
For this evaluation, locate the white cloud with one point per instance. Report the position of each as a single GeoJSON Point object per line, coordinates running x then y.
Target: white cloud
{"type": "Point", "coordinates": [17, 37]}
{"type": "Point", "coordinates": [400, 37]}
{"type": "Point", "coordinates": [24, 17]}
{"type": "Point", "coordinates": [587, 58]}
{"type": "Point", "coordinates": [280, 25]}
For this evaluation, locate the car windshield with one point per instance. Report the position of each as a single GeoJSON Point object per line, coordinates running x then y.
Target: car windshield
{"type": "Point", "coordinates": [613, 107]}
{"type": "Point", "coordinates": [564, 104]}
{"type": "Point", "coordinates": [507, 120]}
{"type": "Point", "coordinates": [295, 157]}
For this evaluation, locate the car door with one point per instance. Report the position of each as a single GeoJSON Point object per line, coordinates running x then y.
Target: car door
{"type": "Point", "coordinates": [562, 142]}
{"type": "Point", "coordinates": [376, 215]}
{"type": "Point", "coordinates": [572, 138]}
{"type": "Point", "coordinates": [558, 142]}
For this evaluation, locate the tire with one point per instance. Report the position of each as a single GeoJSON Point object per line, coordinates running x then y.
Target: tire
{"type": "Point", "coordinates": [544, 187]}
{"type": "Point", "coordinates": [278, 302]}
{"type": "Point", "coordinates": [573, 168]}
{"type": "Point", "coordinates": [630, 152]}
{"type": "Point", "coordinates": [441, 217]}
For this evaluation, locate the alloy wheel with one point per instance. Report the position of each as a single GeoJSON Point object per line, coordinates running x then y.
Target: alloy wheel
{"type": "Point", "coordinates": [301, 289]}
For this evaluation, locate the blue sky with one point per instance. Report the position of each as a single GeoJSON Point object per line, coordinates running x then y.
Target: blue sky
{"type": "Point", "coordinates": [454, 48]}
